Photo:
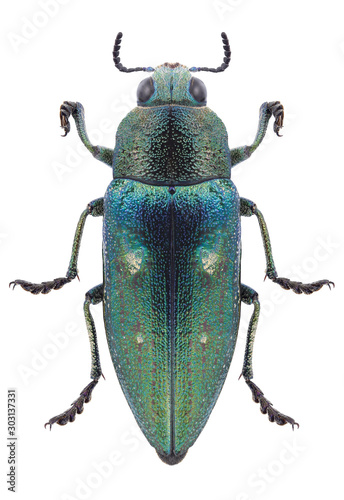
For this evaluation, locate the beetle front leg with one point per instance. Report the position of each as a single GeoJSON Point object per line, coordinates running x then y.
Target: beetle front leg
{"type": "Point", "coordinates": [249, 208]}
{"type": "Point", "coordinates": [267, 109]}
{"type": "Point", "coordinates": [76, 109]}
{"type": "Point", "coordinates": [250, 296]}
{"type": "Point", "coordinates": [93, 296]}
{"type": "Point", "coordinates": [94, 208]}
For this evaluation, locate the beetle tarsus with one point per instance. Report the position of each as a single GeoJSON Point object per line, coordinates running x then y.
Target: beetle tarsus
{"type": "Point", "coordinates": [266, 407]}
{"type": "Point", "coordinates": [299, 287]}
{"type": "Point", "coordinates": [66, 109]}
{"type": "Point", "coordinates": [77, 407]}
{"type": "Point", "coordinates": [277, 110]}
{"type": "Point", "coordinates": [44, 287]}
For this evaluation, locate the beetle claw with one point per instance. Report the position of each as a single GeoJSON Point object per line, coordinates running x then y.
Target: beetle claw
{"type": "Point", "coordinates": [66, 109]}
{"type": "Point", "coordinates": [299, 287]}
{"type": "Point", "coordinates": [266, 407]}
{"type": "Point", "coordinates": [277, 110]}
{"type": "Point", "coordinates": [44, 287]}
{"type": "Point", "coordinates": [77, 406]}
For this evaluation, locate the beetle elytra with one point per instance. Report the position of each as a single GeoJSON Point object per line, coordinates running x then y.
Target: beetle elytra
{"type": "Point", "coordinates": [171, 288]}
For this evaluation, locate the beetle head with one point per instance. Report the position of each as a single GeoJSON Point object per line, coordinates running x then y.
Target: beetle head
{"type": "Point", "coordinates": [171, 84]}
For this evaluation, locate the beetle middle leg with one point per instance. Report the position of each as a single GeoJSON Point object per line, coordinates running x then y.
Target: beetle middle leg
{"type": "Point", "coordinates": [249, 208]}
{"type": "Point", "coordinates": [250, 296]}
{"type": "Point", "coordinates": [93, 296]}
{"type": "Point", "coordinates": [94, 208]}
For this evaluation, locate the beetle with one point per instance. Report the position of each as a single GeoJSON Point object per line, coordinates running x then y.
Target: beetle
{"type": "Point", "coordinates": [171, 288]}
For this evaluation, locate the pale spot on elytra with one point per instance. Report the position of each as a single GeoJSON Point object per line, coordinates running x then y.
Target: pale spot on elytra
{"type": "Point", "coordinates": [209, 260]}
{"type": "Point", "coordinates": [134, 259]}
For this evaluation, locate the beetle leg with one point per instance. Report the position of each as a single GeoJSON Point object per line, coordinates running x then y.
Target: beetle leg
{"type": "Point", "coordinates": [267, 109]}
{"type": "Point", "coordinates": [250, 296]}
{"type": "Point", "coordinates": [93, 296]}
{"type": "Point", "coordinates": [249, 208]}
{"type": "Point", "coordinates": [76, 109]}
{"type": "Point", "coordinates": [94, 208]}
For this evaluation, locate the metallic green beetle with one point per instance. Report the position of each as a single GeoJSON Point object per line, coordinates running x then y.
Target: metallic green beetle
{"type": "Point", "coordinates": [171, 253]}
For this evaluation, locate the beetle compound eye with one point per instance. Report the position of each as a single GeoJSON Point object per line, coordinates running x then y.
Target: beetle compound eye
{"type": "Point", "coordinates": [198, 90]}
{"type": "Point", "coordinates": [145, 90]}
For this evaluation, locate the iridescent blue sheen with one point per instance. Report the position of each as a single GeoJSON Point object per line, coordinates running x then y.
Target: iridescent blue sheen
{"type": "Point", "coordinates": [171, 301]}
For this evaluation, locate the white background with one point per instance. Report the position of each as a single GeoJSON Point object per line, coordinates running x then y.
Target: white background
{"type": "Point", "coordinates": [287, 50]}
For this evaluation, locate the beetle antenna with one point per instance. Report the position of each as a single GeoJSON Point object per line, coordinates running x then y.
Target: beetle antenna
{"type": "Point", "coordinates": [117, 59]}
{"type": "Point", "coordinates": [226, 59]}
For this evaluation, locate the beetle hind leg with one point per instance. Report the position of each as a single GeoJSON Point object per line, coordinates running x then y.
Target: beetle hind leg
{"type": "Point", "coordinates": [250, 296]}
{"type": "Point", "coordinates": [93, 296]}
